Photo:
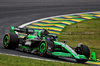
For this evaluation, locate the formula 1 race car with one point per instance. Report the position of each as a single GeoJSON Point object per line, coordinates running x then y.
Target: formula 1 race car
{"type": "Point", "coordinates": [42, 43]}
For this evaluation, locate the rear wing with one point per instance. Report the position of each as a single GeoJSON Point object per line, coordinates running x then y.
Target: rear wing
{"type": "Point", "coordinates": [22, 30]}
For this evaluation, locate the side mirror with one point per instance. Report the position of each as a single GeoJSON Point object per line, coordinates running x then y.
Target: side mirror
{"type": "Point", "coordinates": [64, 41]}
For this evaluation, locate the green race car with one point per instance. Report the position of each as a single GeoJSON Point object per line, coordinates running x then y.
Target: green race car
{"type": "Point", "coordinates": [42, 43]}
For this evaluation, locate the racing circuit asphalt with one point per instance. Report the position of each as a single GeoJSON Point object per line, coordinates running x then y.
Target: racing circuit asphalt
{"type": "Point", "coordinates": [17, 12]}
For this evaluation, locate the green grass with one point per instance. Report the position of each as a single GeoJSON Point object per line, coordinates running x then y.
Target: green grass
{"type": "Point", "coordinates": [86, 32]}
{"type": "Point", "coordinates": [7, 60]}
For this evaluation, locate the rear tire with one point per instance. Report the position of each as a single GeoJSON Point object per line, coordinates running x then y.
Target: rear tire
{"type": "Point", "coordinates": [10, 41]}
{"type": "Point", "coordinates": [42, 48]}
{"type": "Point", "coordinates": [84, 50]}
{"type": "Point", "coordinates": [48, 47]}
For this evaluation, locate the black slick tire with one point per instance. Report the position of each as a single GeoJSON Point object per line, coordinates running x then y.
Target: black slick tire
{"type": "Point", "coordinates": [10, 41]}
{"type": "Point", "coordinates": [84, 51]}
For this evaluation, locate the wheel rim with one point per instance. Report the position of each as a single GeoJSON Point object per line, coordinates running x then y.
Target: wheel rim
{"type": "Point", "coordinates": [6, 40]}
{"type": "Point", "coordinates": [42, 47]}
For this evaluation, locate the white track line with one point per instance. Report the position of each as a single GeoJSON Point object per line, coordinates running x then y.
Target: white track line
{"type": "Point", "coordinates": [32, 57]}
{"type": "Point", "coordinates": [23, 25]}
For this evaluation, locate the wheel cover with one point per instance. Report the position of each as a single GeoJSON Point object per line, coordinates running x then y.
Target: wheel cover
{"type": "Point", "coordinates": [6, 40]}
{"type": "Point", "coordinates": [42, 47]}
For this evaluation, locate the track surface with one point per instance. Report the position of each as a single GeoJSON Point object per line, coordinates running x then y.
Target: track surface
{"type": "Point", "coordinates": [17, 12]}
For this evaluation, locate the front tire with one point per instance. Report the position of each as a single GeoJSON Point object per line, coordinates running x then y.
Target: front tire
{"type": "Point", "coordinates": [83, 50]}
{"type": "Point", "coordinates": [10, 41]}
